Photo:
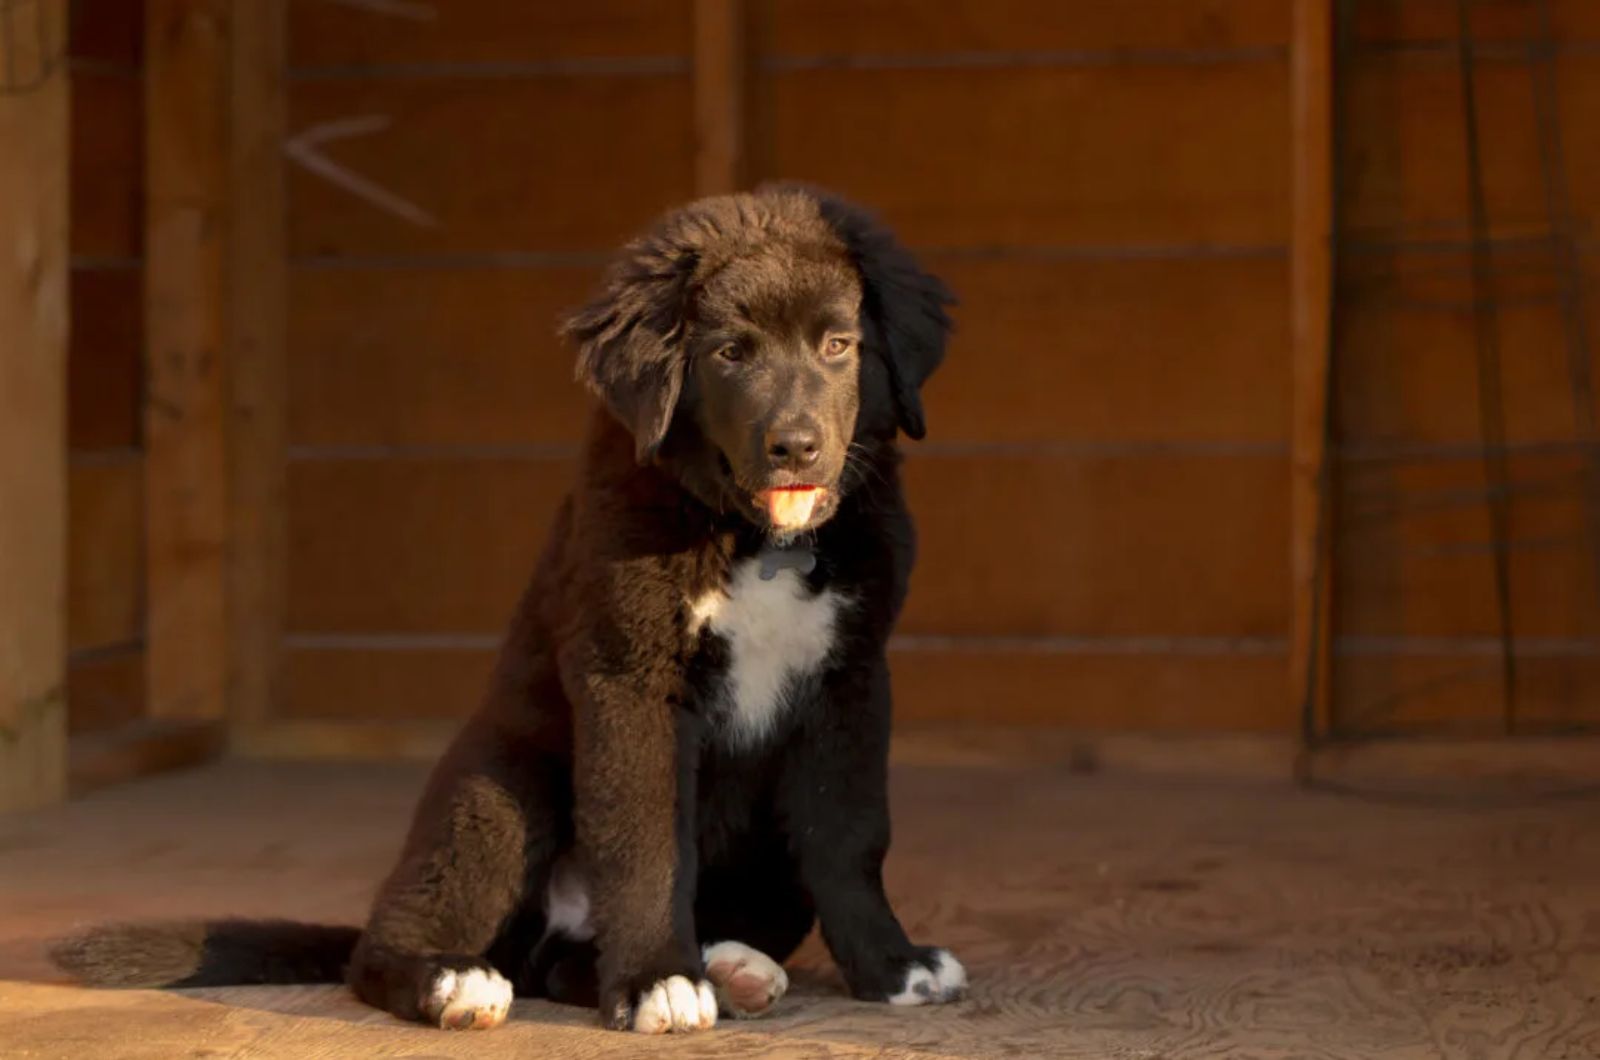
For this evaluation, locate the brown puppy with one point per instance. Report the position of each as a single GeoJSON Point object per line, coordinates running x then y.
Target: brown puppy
{"type": "Point", "coordinates": [680, 764]}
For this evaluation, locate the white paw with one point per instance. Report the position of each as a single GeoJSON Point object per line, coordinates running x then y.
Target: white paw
{"type": "Point", "coordinates": [748, 982]}
{"type": "Point", "coordinates": [476, 999]}
{"type": "Point", "coordinates": [945, 981]}
{"type": "Point", "coordinates": [676, 1004]}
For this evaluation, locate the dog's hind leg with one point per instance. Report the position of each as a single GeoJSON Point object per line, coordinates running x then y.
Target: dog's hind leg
{"type": "Point", "coordinates": [478, 852]}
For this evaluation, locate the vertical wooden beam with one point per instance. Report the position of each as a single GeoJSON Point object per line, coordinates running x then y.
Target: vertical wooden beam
{"type": "Point", "coordinates": [33, 372]}
{"type": "Point", "coordinates": [1310, 295]}
{"type": "Point", "coordinates": [718, 96]}
{"type": "Point", "coordinates": [258, 343]}
{"type": "Point", "coordinates": [186, 397]}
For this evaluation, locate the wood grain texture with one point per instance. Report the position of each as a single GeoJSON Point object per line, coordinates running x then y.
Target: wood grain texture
{"type": "Point", "coordinates": [1134, 155]}
{"type": "Point", "coordinates": [105, 362]}
{"type": "Point", "coordinates": [494, 165]}
{"type": "Point", "coordinates": [1098, 917]}
{"type": "Point", "coordinates": [140, 749]}
{"type": "Point", "coordinates": [1418, 549]}
{"type": "Point", "coordinates": [105, 689]}
{"type": "Point", "coordinates": [1050, 544]}
{"type": "Point", "coordinates": [1153, 352]}
{"type": "Point", "coordinates": [258, 280]}
{"type": "Point", "coordinates": [375, 356]}
{"type": "Point", "coordinates": [719, 91]}
{"type": "Point", "coordinates": [357, 37]}
{"type": "Point", "coordinates": [107, 164]}
{"type": "Point", "coordinates": [105, 552]}
{"type": "Point", "coordinates": [34, 126]}
{"type": "Point", "coordinates": [186, 398]}
{"type": "Point", "coordinates": [842, 28]}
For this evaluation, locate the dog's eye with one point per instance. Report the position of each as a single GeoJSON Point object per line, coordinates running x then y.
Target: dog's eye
{"type": "Point", "coordinates": [731, 352]}
{"type": "Point", "coordinates": [837, 346]}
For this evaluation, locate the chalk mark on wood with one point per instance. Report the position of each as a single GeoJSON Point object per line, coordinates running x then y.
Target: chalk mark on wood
{"type": "Point", "coordinates": [304, 149]}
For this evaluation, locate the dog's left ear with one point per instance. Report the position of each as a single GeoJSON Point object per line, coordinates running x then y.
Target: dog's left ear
{"type": "Point", "coordinates": [902, 304]}
{"type": "Point", "coordinates": [630, 337]}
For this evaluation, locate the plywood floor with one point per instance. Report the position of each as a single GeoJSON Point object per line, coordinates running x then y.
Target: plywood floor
{"type": "Point", "coordinates": [1098, 917]}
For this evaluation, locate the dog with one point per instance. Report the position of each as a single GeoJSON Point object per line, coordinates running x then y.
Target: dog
{"type": "Point", "coordinates": [681, 762]}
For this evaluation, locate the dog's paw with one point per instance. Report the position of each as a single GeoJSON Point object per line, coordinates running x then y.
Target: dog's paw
{"type": "Point", "coordinates": [932, 979]}
{"type": "Point", "coordinates": [676, 1003]}
{"type": "Point", "coordinates": [748, 982]}
{"type": "Point", "coordinates": [460, 999]}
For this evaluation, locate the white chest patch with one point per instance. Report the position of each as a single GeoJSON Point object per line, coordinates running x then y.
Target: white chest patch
{"type": "Point", "coordinates": [777, 631]}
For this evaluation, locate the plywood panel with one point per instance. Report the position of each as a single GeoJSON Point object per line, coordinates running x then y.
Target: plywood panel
{"type": "Point", "coordinates": [105, 690]}
{"type": "Point", "coordinates": [1038, 156]}
{"type": "Point", "coordinates": [839, 28]}
{"type": "Point", "coordinates": [1408, 376]}
{"type": "Point", "coordinates": [107, 164]}
{"type": "Point", "coordinates": [1123, 351]}
{"type": "Point", "coordinates": [494, 165]}
{"type": "Point", "coordinates": [433, 356]}
{"type": "Point", "coordinates": [419, 545]}
{"type": "Point", "coordinates": [1406, 169]}
{"type": "Point", "coordinates": [1417, 553]}
{"type": "Point", "coordinates": [1009, 544]}
{"type": "Point", "coordinates": [323, 34]}
{"type": "Point", "coordinates": [1438, 21]}
{"type": "Point", "coordinates": [1460, 690]}
{"type": "Point", "coordinates": [105, 552]}
{"type": "Point", "coordinates": [1133, 350]}
{"type": "Point", "coordinates": [104, 362]}
{"type": "Point", "coordinates": [1084, 690]}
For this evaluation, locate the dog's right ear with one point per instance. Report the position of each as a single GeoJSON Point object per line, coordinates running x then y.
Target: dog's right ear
{"type": "Point", "coordinates": [630, 337]}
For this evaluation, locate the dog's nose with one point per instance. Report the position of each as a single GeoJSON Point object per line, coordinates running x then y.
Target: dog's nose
{"type": "Point", "coordinates": [792, 448]}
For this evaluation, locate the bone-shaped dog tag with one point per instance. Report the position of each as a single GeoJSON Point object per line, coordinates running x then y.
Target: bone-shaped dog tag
{"type": "Point", "coordinates": [774, 559]}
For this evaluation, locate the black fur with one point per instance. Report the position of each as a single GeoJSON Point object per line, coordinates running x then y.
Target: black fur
{"type": "Point", "coordinates": [602, 742]}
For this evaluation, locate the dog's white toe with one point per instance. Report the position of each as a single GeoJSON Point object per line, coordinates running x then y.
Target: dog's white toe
{"type": "Point", "coordinates": [475, 999]}
{"type": "Point", "coordinates": [676, 1004]}
{"type": "Point", "coordinates": [748, 982]}
{"type": "Point", "coordinates": [944, 981]}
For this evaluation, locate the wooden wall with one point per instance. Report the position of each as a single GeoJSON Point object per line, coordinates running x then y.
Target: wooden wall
{"type": "Point", "coordinates": [1104, 185]}
{"type": "Point", "coordinates": [105, 392]}
{"type": "Point", "coordinates": [1418, 614]}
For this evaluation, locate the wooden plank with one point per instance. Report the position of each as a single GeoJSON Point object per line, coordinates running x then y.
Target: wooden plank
{"type": "Point", "coordinates": [386, 740]}
{"type": "Point", "coordinates": [1475, 770]}
{"type": "Point", "coordinates": [1310, 320]}
{"type": "Point", "coordinates": [257, 354]}
{"type": "Point", "coordinates": [109, 32]}
{"type": "Point", "coordinates": [105, 549]}
{"type": "Point", "coordinates": [107, 165]}
{"type": "Point", "coordinates": [141, 749]}
{"type": "Point", "coordinates": [827, 29]}
{"type": "Point", "coordinates": [1087, 349]}
{"type": "Point", "coordinates": [186, 403]}
{"type": "Point", "coordinates": [1085, 689]}
{"type": "Point", "coordinates": [491, 164]}
{"type": "Point", "coordinates": [1404, 375]}
{"type": "Point", "coordinates": [1438, 21]}
{"type": "Point", "coordinates": [1041, 156]}
{"type": "Point", "coordinates": [105, 364]}
{"type": "Point", "coordinates": [719, 47]}
{"type": "Point", "coordinates": [1454, 688]}
{"type": "Point", "coordinates": [375, 356]}
{"type": "Point", "coordinates": [105, 689]}
{"type": "Point", "coordinates": [1407, 162]}
{"type": "Point", "coordinates": [1120, 545]}
{"type": "Point", "coordinates": [356, 37]}
{"type": "Point", "coordinates": [35, 127]}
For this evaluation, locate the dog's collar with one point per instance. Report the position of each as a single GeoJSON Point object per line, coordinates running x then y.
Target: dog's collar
{"type": "Point", "coordinates": [795, 555]}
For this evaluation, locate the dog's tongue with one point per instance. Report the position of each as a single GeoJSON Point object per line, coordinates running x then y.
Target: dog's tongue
{"type": "Point", "coordinates": [790, 508]}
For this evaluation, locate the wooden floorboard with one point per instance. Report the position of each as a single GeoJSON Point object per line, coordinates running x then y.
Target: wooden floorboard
{"type": "Point", "coordinates": [1100, 916]}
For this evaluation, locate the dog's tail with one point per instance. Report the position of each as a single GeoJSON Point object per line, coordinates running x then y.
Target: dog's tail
{"type": "Point", "coordinates": [181, 953]}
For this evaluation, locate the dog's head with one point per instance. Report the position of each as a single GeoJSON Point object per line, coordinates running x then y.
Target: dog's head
{"type": "Point", "coordinates": [750, 341]}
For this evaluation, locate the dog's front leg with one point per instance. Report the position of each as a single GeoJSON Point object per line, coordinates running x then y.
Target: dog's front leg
{"type": "Point", "coordinates": [634, 767]}
{"type": "Point", "coordinates": [835, 792]}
